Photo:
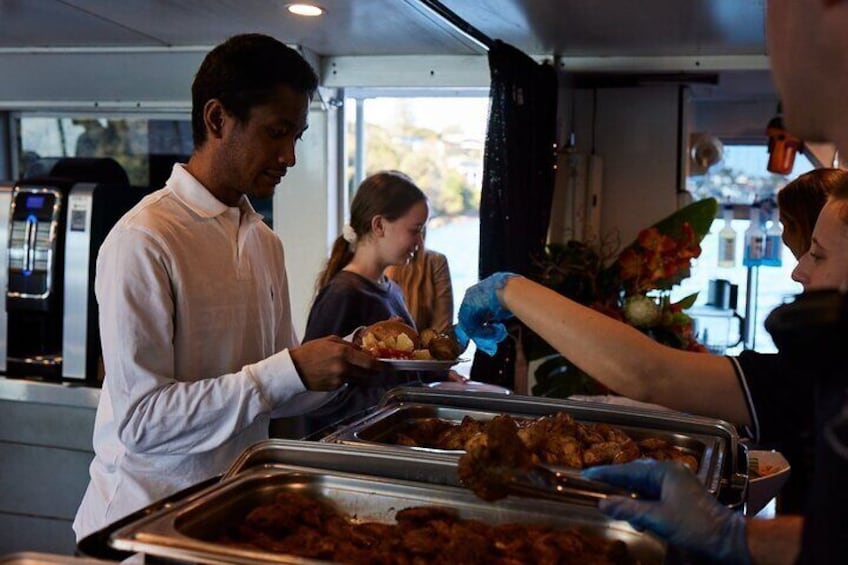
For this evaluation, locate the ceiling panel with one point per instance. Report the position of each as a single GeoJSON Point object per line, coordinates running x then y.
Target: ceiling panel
{"type": "Point", "coordinates": [571, 28]}
{"type": "Point", "coordinates": [627, 27]}
{"type": "Point", "coordinates": [403, 27]}
{"type": "Point", "coordinates": [51, 23]}
{"type": "Point", "coordinates": [350, 27]}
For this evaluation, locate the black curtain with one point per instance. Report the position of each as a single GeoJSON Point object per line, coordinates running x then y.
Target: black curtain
{"type": "Point", "coordinates": [518, 179]}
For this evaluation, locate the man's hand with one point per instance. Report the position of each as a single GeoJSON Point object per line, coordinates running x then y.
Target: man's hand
{"type": "Point", "coordinates": [683, 512]}
{"type": "Point", "coordinates": [481, 314]}
{"type": "Point", "coordinates": [329, 362]}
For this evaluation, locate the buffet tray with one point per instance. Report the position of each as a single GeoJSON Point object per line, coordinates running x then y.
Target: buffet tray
{"type": "Point", "coordinates": [38, 558]}
{"type": "Point", "coordinates": [186, 530]}
{"type": "Point", "coordinates": [714, 443]}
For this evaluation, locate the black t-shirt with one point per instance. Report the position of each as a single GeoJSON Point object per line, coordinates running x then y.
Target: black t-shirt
{"type": "Point", "coordinates": [825, 535]}
{"type": "Point", "coordinates": [781, 401]}
{"type": "Point", "coordinates": [346, 303]}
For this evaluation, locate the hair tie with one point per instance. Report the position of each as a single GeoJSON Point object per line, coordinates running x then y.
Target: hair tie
{"type": "Point", "coordinates": [349, 235]}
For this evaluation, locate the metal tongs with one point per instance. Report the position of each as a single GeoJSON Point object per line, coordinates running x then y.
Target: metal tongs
{"type": "Point", "coordinates": [545, 483]}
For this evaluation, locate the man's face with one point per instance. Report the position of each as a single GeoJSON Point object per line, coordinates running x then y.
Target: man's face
{"type": "Point", "coordinates": [802, 62]}
{"type": "Point", "coordinates": [825, 265]}
{"type": "Point", "coordinates": [257, 153]}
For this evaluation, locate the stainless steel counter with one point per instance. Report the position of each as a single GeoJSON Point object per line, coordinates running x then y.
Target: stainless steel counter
{"type": "Point", "coordinates": [36, 392]}
{"type": "Point", "coordinates": [45, 451]}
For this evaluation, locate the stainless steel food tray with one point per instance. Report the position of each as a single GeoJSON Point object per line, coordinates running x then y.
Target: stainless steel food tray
{"type": "Point", "coordinates": [186, 530]}
{"type": "Point", "coordinates": [363, 460]}
{"type": "Point", "coordinates": [36, 558]}
{"type": "Point", "coordinates": [713, 442]}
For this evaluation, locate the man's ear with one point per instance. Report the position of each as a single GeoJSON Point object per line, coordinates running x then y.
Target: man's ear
{"type": "Point", "coordinates": [213, 117]}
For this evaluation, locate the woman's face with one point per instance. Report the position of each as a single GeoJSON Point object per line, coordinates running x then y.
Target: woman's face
{"type": "Point", "coordinates": [403, 236]}
{"type": "Point", "coordinates": [825, 265]}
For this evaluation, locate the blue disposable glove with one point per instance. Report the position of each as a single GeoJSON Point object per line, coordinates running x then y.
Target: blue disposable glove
{"type": "Point", "coordinates": [481, 314]}
{"type": "Point", "coordinates": [683, 512]}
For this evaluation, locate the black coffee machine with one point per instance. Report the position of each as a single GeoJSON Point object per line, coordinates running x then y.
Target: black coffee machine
{"type": "Point", "coordinates": [58, 220]}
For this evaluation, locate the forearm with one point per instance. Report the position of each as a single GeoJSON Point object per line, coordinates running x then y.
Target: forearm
{"type": "Point", "coordinates": [774, 541]}
{"type": "Point", "coordinates": [625, 359]}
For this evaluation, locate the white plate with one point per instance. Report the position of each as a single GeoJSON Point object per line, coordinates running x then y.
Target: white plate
{"type": "Point", "coordinates": [762, 489]}
{"type": "Point", "coordinates": [420, 364]}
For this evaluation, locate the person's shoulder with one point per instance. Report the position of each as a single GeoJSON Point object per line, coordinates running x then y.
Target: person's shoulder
{"type": "Point", "coordinates": [151, 211]}
{"type": "Point", "coordinates": [435, 255]}
{"type": "Point", "coordinates": [345, 282]}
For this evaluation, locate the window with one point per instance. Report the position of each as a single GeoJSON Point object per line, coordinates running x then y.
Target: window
{"type": "Point", "coordinates": [741, 179]}
{"type": "Point", "coordinates": [146, 148]}
{"type": "Point", "coordinates": [438, 141]}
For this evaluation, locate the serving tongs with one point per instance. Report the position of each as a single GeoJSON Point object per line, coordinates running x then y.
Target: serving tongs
{"type": "Point", "coordinates": [545, 483]}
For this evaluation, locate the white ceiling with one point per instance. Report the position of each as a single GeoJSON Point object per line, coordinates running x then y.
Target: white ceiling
{"type": "Point", "coordinates": [569, 28]}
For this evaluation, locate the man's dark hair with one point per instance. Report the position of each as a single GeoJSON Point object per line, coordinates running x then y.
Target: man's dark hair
{"type": "Point", "coordinates": [243, 72]}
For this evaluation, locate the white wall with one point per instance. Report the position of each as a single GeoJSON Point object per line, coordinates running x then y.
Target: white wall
{"type": "Point", "coordinates": [635, 132]}
{"type": "Point", "coordinates": [305, 213]}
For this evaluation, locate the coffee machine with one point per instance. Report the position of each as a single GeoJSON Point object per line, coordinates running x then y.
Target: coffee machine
{"type": "Point", "coordinates": [58, 220]}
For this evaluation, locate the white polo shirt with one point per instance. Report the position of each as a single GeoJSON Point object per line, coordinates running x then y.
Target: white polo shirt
{"type": "Point", "coordinates": [195, 324]}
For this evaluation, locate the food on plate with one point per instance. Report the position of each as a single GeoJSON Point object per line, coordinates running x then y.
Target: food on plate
{"type": "Point", "coordinates": [759, 469]}
{"type": "Point", "coordinates": [556, 439]}
{"type": "Point", "coordinates": [393, 339]}
{"type": "Point", "coordinates": [390, 339]}
{"type": "Point", "coordinates": [441, 345]}
{"type": "Point", "coordinates": [300, 524]}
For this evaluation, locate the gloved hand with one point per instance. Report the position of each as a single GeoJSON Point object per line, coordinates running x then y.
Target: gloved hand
{"type": "Point", "coordinates": [683, 513]}
{"type": "Point", "coordinates": [481, 313]}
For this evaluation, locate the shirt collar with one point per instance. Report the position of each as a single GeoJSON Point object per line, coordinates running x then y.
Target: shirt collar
{"type": "Point", "coordinates": [202, 202]}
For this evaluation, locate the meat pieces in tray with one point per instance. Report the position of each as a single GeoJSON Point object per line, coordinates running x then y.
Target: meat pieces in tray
{"type": "Point", "coordinates": [556, 440]}
{"type": "Point", "coordinates": [302, 525]}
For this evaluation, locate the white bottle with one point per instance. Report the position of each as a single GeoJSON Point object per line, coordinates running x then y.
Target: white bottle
{"type": "Point", "coordinates": [755, 240]}
{"type": "Point", "coordinates": [727, 240]}
{"type": "Point", "coordinates": [774, 242]}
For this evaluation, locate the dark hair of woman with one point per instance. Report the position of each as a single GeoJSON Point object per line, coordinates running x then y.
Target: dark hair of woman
{"type": "Point", "coordinates": [390, 194]}
{"type": "Point", "coordinates": [801, 200]}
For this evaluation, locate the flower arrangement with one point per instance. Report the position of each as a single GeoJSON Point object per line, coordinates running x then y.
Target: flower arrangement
{"type": "Point", "coordinates": [632, 286]}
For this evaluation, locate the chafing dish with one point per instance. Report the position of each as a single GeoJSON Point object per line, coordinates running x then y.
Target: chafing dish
{"type": "Point", "coordinates": [714, 443]}
{"type": "Point", "coordinates": [186, 530]}
{"type": "Point", "coordinates": [36, 558]}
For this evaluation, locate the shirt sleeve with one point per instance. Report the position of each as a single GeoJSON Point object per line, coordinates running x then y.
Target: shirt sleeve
{"type": "Point", "coordinates": [155, 412]}
{"type": "Point", "coordinates": [780, 401]}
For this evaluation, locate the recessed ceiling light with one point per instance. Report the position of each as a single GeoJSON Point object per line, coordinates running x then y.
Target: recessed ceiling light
{"type": "Point", "coordinates": [305, 9]}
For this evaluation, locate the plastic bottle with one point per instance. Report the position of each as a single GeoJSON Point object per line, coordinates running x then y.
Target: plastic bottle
{"type": "Point", "coordinates": [774, 241]}
{"type": "Point", "coordinates": [727, 240]}
{"type": "Point", "coordinates": [755, 240]}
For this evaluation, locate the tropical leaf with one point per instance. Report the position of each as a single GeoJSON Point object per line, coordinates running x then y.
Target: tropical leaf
{"type": "Point", "coordinates": [700, 216]}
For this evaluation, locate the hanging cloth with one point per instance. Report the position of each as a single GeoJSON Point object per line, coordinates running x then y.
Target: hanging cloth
{"type": "Point", "coordinates": [518, 179]}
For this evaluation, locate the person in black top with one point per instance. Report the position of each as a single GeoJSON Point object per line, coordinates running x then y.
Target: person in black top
{"type": "Point", "coordinates": [388, 215]}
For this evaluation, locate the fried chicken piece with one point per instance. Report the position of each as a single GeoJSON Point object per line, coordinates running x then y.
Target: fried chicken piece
{"type": "Point", "coordinates": [628, 452]}
{"type": "Point", "coordinates": [653, 444]}
{"type": "Point", "coordinates": [588, 434]}
{"type": "Point", "coordinates": [492, 457]}
{"type": "Point", "coordinates": [457, 436]}
{"type": "Point", "coordinates": [564, 451]}
{"type": "Point", "coordinates": [601, 453]}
